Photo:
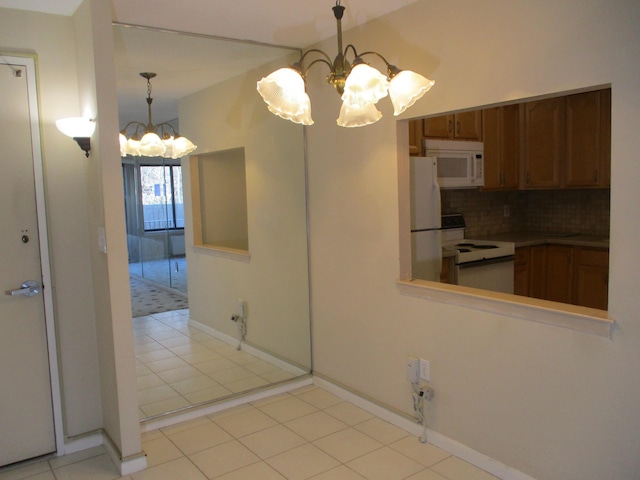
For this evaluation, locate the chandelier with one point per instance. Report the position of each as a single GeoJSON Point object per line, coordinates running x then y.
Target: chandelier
{"type": "Point", "coordinates": [360, 85]}
{"type": "Point", "coordinates": [149, 140]}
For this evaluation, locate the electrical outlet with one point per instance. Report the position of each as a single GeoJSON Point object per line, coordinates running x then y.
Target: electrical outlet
{"type": "Point", "coordinates": [506, 211]}
{"type": "Point", "coordinates": [413, 369]}
{"type": "Point", "coordinates": [424, 370]}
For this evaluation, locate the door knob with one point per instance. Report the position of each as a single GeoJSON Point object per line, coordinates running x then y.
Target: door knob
{"type": "Point", "coordinates": [28, 289]}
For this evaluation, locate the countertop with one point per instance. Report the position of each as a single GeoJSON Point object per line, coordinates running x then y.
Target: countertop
{"type": "Point", "coordinates": [527, 239]}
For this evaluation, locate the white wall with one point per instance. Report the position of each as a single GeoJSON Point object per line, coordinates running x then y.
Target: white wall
{"type": "Point", "coordinates": [51, 39]}
{"type": "Point", "coordinates": [273, 281]}
{"type": "Point", "coordinates": [550, 402]}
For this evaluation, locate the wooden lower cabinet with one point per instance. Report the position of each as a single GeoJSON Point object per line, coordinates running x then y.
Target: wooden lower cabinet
{"type": "Point", "coordinates": [591, 277]}
{"type": "Point", "coordinates": [447, 271]}
{"type": "Point", "coordinates": [538, 271]}
{"type": "Point", "coordinates": [563, 273]}
{"type": "Point", "coordinates": [559, 273]}
{"type": "Point", "coordinates": [521, 272]}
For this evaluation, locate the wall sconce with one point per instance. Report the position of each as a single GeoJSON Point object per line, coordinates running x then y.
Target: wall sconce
{"type": "Point", "coordinates": [80, 129]}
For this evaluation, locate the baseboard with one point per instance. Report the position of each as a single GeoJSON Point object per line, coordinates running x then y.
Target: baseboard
{"type": "Point", "coordinates": [192, 413]}
{"type": "Point", "coordinates": [447, 444]}
{"type": "Point", "coordinates": [83, 442]}
{"type": "Point", "coordinates": [228, 339]}
{"type": "Point", "coordinates": [125, 466]}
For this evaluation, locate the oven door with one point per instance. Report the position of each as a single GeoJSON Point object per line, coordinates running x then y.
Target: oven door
{"type": "Point", "coordinates": [495, 274]}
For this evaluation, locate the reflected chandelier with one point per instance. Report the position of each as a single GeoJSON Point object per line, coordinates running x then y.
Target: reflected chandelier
{"type": "Point", "coordinates": [151, 140]}
{"type": "Point", "coordinates": [359, 85]}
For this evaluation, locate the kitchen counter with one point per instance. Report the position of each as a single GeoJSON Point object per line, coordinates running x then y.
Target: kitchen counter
{"type": "Point", "coordinates": [527, 239]}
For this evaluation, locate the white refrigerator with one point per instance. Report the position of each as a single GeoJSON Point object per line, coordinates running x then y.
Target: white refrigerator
{"type": "Point", "coordinates": [426, 222]}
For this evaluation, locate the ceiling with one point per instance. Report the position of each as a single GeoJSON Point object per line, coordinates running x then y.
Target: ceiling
{"type": "Point", "coordinates": [289, 23]}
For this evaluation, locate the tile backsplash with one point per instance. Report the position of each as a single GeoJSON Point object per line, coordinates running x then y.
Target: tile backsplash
{"type": "Point", "coordinates": [551, 211]}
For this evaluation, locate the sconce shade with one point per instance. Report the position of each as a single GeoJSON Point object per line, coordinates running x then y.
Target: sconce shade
{"type": "Point", "coordinates": [364, 85]}
{"type": "Point", "coordinates": [407, 87]}
{"type": "Point", "coordinates": [80, 129]}
{"type": "Point", "coordinates": [284, 93]}
{"type": "Point", "coordinates": [76, 126]}
{"type": "Point", "coordinates": [354, 116]}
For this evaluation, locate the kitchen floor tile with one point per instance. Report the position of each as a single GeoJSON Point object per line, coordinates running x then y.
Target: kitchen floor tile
{"type": "Point", "coordinates": [223, 459]}
{"type": "Point", "coordinates": [423, 453]}
{"type": "Point", "coordinates": [245, 422]}
{"type": "Point", "coordinates": [272, 441]}
{"type": "Point", "coordinates": [199, 438]}
{"type": "Point", "coordinates": [302, 462]}
{"type": "Point", "coordinates": [454, 468]}
{"type": "Point", "coordinates": [348, 444]}
{"type": "Point", "coordinates": [385, 464]}
{"type": "Point", "coordinates": [316, 425]}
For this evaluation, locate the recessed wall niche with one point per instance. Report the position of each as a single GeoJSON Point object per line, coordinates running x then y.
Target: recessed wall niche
{"type": "Point", "coordinates": [219, 200]}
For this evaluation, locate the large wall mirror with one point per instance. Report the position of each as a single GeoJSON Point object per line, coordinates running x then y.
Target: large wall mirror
{"type": "Point", "coordinates": [245, 325]}
{"type": "Point", "coordinates": [539, 225]}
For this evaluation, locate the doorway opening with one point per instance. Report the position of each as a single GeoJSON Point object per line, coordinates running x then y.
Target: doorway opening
{"type": "Point", "coordinates": [154, 212]}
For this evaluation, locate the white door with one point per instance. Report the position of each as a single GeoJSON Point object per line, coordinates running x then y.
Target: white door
{"type": "Point", "coordinates": [26, 410]}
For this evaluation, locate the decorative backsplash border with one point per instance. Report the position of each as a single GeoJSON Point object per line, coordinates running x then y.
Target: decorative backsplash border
{"type": "Point", "coordinates": [553, 211]}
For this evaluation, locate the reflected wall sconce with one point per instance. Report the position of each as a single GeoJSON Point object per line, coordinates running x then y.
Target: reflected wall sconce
{"type": "Point", "coordinates": [80, 129]}
{"type": "Point", "coordinates": [359, 85]}
{"type": "Point", "coordinates": [149, 140]}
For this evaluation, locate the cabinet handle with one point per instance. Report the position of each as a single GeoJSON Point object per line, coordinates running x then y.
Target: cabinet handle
{"type": "Point", "coordinates": [450, 126]}
{"type": "Point", "coordinates": [596, 176]}
{"type": "Point", "coordinates": [528, 179]}
{"type": "Point", "coordinates": [457, 127]}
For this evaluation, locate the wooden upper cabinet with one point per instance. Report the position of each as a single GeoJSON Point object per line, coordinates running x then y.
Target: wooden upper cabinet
{"type": "Point", "coordinates": [500, 132]}
{"type": "Point", "coordinates": [586, 158]}
{"type": "Point", "coordinates": [543, 139]}
{"type": "Point", "coordinates": [457, 126]}
{"type": "Point", "coordinates": [415, 138]}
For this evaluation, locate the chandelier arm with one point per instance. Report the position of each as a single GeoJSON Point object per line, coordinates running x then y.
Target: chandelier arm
{"type": "Point", "coordinates": [313, 50]}
{"type": "Point", "coordinates": [353, 48]}
{"type": "Point", "coordinates": [166, 124]}
{"type": "Point", "coordinates": [317, 60]}
{"type": "Point", "coordinates": [377, 54]}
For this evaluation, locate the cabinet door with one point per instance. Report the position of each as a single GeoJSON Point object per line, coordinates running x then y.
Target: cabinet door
{"type": "Point", "coordinates": [492, 138]}
{"type": "Point", "coordinates": [543, 140]}
{"type": "Point", "coordinates": [583, 157]}
{"type": "Point", "coordinates": [415, 138]}
{"type": "Point", "coordinates": [510, 146]}
{"type": "Point", "coordinates": [439, 127]}
{"type": "Point", "coordinates": [538, 271]}
{"type": "Point", "coordinates": [559, 273]}
{"type": "Point", "coordinates": [500, 134]}
{"type": "Point", "coordinates": [591, 278]}
{"type": "Point", "coordinates": [521, 272]}
{"type": "Point", "coordinates": [468, 125]}
{"type": "Point", "coordinates": [605, 137]}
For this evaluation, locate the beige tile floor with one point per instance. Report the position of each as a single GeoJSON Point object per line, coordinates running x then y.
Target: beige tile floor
{"type": "Point", "coordinates": [178, 365]}
{"type": "Point", "coordinates": [307, 433]}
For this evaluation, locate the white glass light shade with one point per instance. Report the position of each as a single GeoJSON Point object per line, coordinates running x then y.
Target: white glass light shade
{"type": "Point", "coordinates": [151, 145]}
{"type": "Point", "coordinates": [123, 145]}
{"type": "Point", "coordinates": [353, 116]}
{"type": "Point", "coordinates": [284, 93]}
{"type": "Point", "coordinates": [179, 147]}
{"type": "Point", "coordinates": [364, 85]}
{"type": "Point", "coordinates": [78, 127]}
{"type": "Point", "coordinates": [406, 88]}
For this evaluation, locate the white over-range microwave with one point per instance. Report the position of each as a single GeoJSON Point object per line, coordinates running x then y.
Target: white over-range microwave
{"type": "Point", "coordinates": [460, 164]}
